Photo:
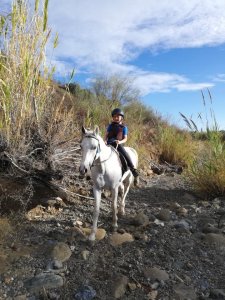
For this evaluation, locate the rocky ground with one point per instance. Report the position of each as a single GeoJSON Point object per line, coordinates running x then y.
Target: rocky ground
{"type": "Point", "coordinates": [169, 245]}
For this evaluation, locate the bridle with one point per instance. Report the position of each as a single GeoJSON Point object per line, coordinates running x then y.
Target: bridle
{"type": "Point", "coordinates": [98, 150]}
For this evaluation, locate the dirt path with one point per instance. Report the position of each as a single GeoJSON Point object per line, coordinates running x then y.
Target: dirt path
{"type": "Point", "coordinates": [171, 245]}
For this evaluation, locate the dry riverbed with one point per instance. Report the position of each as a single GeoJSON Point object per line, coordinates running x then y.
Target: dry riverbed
{"type": "Point", "coordinates": [169, 245]}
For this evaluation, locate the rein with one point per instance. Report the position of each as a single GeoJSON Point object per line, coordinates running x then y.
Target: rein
{"type": "Point", "coordinates": [97, 151]}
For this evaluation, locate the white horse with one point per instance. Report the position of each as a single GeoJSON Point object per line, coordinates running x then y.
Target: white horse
{"type": "Point", "coordinates": [106, 171]}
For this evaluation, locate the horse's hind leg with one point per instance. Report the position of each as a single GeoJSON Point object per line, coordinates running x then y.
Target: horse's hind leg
{"type": "Point", "coordinates": [97, 196]}
{"type": "Point", "coordinates": [126, 188]}
{"type": "Point", "coordinates": [121, 194]}
{"type": "Point", "coordinates": [114, 207]}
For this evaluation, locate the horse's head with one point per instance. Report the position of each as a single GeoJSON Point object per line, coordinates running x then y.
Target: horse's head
{"type": "Point", "coordinates": [90, 148]}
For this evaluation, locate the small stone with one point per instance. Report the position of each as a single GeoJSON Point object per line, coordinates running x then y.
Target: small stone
{"type": "Point", "coordinates": [118, 239]}
{"type": "Point", "coordinates": [214, 239]}
{"type": "Point", "coordinates": [83, 192]}
{"type": "Point", "coordinates": [57, 264]}
{"type": "Point", "coordinates": [156, 274]}
{"type": "Point", "coordinates": [106, 194]}
{"type": "Point", "coordinates": [155, 285]}
{"type": "Point", "coordinates": [205, 203]}
{"type": "Point", "coordinates": [78, 223]}
{"type": "Point", "coordinates": [174, 206]}
{"type": "Point", "coordinates": [208, 228]}
{"type": "Point", "coordinates": [152, 295]}
{"type": "Point", "coordinates": [149, 172]}
{"type": "Point", "coordinates": [44, 280]}
{"type": "Point", "coordinates": [164, 215]}
{"type": "Point", "coordinates": [217, 201]}
{"type": "Point", "coordinates": [158, 222]}
{"type": "Point", "coordinates": [100, 233]}
{"type": "Point", "coordinates": [182, 225]}
{"type": "Point", "coordinates": [141, 236]}
{"type": "Point", "coordinates": [85, 254]}
{"type": "Point", "coordinates": [189, 197]}
{"type": "Point", "coordinates": [132, 286]}
{"type": "Point", "coordinates": [217, 294]}
{"type": "Point", "coordinates": [8, 280]}
{"type": "Point", "coordinates": [140, 219]}
{"type": "Point", "coordinates": [119, 286]}
{"type": "Point", "coordinates": [181, 211]}
{"type": "Point", "coordinates": [61, 252]}
{"type": "Point", "coordinates": [85, 292]}
{"type": "Point", "coordinates": [183, 292]}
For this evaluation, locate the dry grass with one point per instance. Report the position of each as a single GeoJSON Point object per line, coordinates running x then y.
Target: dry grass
{"type": "Point", "coordinates": [24, 85]}
{"type": "Point", "coordinates": [176, 147]}
{"type": "Point", "coordinates": [207, 172]}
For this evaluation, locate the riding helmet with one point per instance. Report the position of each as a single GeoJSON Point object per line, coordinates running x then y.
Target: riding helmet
{"type": "Point", "coordinates": [118, 111]}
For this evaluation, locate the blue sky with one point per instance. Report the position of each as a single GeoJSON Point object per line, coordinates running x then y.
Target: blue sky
{"type": "Point", "coordinates": [172, 49]}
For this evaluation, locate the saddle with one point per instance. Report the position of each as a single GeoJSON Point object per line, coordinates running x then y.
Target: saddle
{"type": "Point", "coordinates": [123, 161]}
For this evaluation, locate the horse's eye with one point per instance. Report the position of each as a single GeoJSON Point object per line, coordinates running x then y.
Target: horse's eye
{"type": "Point", "coordinates": [93, 148]}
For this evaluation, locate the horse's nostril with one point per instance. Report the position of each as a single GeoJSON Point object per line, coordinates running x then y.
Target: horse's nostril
{"type": "Point", "coordinates": [82, 170]}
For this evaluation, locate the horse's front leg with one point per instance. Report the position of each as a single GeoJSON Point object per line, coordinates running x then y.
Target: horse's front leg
{"type": "Point", "coordinates": [114, 207]}
{"type": "Point", "coordinates": [97, 196]}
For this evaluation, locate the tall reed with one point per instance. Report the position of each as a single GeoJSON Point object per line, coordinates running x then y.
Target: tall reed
{"type": "Point", "coordinates": [24, 74]}
{"type": "Point", "coordinates": [207, 172]}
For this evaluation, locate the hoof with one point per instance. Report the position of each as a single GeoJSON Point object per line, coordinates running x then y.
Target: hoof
{"type": "Point", "coordinates": [115, 228]}
{"type": "Point", "coordinates": [91, 237]}
{"type": "Point", "coordinates": [121, 213]}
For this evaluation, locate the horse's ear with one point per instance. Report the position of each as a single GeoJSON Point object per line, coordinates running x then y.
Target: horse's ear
{"type": "Point", "coordinates": [96, 130]}
{"type": "Point", "coordinates": [83, 130]}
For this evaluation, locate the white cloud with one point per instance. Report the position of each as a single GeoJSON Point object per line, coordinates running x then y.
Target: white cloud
{"type": "Point", "coordinates": [164, 82]}
{"type": "Point", "coordinates": [106, 36]}
{"type": "Point", "coordinates": [219, 78]}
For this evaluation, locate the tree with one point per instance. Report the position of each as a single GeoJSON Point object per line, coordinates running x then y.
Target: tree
{"type": "Point", "coordinates": [116, 88]}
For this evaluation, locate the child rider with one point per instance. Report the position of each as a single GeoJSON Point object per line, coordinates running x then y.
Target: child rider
{"type": "Point", "coordinates": [116, 136]}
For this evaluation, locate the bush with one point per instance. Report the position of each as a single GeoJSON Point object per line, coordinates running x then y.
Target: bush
{"type": "Point", "coordinates": [176, 147]}
{"type": "Point", "coordinates": [207, 173]}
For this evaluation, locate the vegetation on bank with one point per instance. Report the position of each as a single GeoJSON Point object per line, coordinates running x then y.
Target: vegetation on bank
{"type": "Point", "coordinates": [38, 115]}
